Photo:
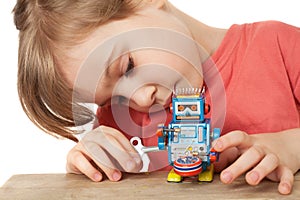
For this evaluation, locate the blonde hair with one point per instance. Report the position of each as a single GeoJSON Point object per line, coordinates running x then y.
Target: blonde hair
{"type": "Point", "coordinates": [44, 25]}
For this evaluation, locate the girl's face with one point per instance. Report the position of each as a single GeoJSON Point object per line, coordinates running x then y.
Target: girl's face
{"type": "Point", "coordinates": [137, 61]}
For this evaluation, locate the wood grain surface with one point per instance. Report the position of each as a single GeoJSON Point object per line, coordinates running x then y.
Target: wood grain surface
{"type": "Point", "coordinates": [136, 186]}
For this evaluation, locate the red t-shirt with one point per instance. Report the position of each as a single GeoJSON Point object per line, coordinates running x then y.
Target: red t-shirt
{"type": "Point", "coordinates": [260, 67]}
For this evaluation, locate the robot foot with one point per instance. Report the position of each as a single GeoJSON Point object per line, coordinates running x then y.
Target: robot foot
{"type": "Point", "coordinates": [173, 177]}
{"type": "Point", "coordinates": [207, 175]}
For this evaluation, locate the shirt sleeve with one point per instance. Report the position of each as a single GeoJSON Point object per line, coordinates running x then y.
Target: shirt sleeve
{"type": "Point", "coordinates": [289, 39]}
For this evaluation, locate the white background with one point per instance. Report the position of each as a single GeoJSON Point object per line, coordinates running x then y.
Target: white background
{"type": "Point", "coordinates": [25, 149]}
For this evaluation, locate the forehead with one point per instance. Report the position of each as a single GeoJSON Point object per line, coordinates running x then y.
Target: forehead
{"type": "Point", "coordinates": [146, 17]}
{"type": "Point", "coordinates": [140, 39]}
{"type": "Point", "coordinates": [90, 59]}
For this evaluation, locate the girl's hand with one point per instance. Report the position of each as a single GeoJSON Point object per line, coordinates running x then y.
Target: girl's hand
{"type": "Point", "coordinates": [103, 151]}
{"type": "Point", "coordinates": [272, 155]}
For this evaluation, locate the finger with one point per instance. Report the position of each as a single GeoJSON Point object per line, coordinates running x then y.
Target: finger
{"type": "Point", "coordinates": [286, 178]}
{"type": "Point", "coordinates": [245, 162]}
{"type": "Point", "coordinates": [79, 164]}
{"type": "Point", "coordinates": [226, 157]}
{"type": "Point", "coordinates": [237, 139]}
{"type": "Point", "coordinates": [128, 162]}
{"type": "Point", "coordinates": [102, 160]}
{"type": "Point", "coordinates": [116, 145]}
{"type": "Point", "coordinates": [123, 142]}
{"type": "Point", "coordinates": [121, 138]}
{"type": "Point", "coordinates": [268, 164]}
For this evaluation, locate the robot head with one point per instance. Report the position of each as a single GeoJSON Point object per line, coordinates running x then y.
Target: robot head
{"type": "Point", "coordinates": [188, 107]}
{"type": "Point", "coordinates": [185, 110]}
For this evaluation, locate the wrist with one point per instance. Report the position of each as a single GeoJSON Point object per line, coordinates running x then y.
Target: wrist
{"type": "Point", "coordinates": [292, 139]}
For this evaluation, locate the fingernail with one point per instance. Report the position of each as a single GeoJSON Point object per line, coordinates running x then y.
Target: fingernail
{"type": "Point", "coordinates": [116, 176]}
{"type": "Point", "coordinates": [254, 177]}
{"type": "Point", "coordinates": [218, 145]}
{"type": "Point", "coordinates": [226, 177]}
{"type": "Point", "coordinates": [285, 188]}
{"type": "Point", "coordinates": [97, 177]}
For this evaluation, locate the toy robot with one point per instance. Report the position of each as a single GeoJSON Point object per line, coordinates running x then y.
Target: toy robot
{"type": "Point", "coordinates": [188, 138]}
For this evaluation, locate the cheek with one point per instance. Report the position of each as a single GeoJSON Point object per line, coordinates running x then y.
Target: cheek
{"type": "Point", "coordinates": [104, 91]}
{"type": "Point", "coordinates": [190, 75]}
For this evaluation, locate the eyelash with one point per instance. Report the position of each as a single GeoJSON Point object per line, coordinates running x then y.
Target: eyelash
{"type": "Point", "coordinates": [130, 66]}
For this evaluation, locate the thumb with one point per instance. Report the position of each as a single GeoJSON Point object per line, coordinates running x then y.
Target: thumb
{"type": "Point", "coordinates": [226, 158]}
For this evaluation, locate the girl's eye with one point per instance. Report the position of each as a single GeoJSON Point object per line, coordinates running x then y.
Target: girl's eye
{"type": "Point", "coordinates": [130, 66]}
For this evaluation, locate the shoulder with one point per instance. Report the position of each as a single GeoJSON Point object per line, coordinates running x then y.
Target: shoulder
{"type": "Point", "coordinates": [272, 25]}
{"type": "Point", "coordinates": [264, 32]}
{"type": "Point", "coordinates": [268, 33]}
{"type": "Point", "coordinates": [273, 29]}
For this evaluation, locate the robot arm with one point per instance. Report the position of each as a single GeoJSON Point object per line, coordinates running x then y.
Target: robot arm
{"type": "Point", "coordinates": [162, 134]}
{"type": "Point", "coordinates": [214, 156]}
{"type": "Point", "coordinates": [162, 139]}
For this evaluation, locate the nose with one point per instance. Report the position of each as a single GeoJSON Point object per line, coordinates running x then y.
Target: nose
{"type": "Point", "coordinates": [144, 96]}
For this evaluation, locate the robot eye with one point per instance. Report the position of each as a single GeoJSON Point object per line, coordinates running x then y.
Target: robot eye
{"type": "Point", "coordinates": [181, 108]}
{"type": "Point", "coordinates": [193, 107]}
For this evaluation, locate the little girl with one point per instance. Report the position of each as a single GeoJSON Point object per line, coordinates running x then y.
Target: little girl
{"type": "Point", "coordinates": [127, 56]}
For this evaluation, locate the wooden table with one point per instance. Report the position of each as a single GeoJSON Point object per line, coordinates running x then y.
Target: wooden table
{"type": "Point", "coordinates": [135, 186]}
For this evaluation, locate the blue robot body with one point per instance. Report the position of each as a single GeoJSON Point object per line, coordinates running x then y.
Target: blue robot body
{"type": "Point", "coordinates": [188, 136]}
{"type": "Point", "coordinates": [190, 139]}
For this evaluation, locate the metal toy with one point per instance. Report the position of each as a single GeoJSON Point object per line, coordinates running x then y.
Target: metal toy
{"type": "Point", "coordinates": [188, 138]}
